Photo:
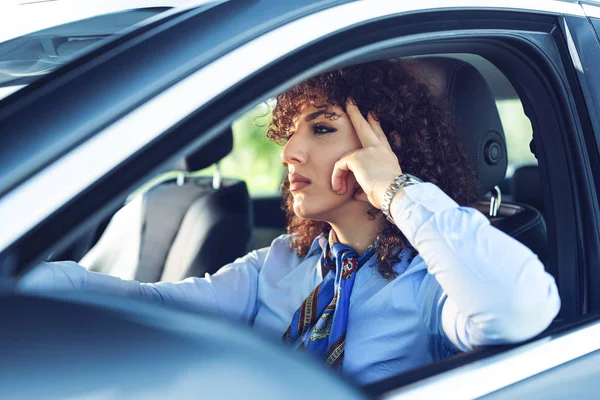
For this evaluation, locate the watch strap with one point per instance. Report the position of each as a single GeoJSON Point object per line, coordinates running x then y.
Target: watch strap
{"type": "Point", "coordinates": [401, 181]}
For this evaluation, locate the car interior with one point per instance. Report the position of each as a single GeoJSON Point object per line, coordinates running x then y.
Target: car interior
{"type": "Point", "coordinates": [167, 232]}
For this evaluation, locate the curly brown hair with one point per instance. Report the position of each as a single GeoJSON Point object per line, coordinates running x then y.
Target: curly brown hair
{"type": "Point", "coordinates": [418, 126]}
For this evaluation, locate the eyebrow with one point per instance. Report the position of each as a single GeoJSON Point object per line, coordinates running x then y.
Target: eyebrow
{"type": "Point", "coordinates": [316, 114]}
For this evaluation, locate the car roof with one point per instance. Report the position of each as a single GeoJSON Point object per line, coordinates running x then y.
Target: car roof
{"type": "Point", "coordinates": [36, 38]}
{"type": "Point", "coordinates": [24, 17]}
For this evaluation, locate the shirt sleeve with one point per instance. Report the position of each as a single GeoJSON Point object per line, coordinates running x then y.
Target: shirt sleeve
{"type": "Point", "coordinates": [493, 288]}
{"type": "Point", "coordinates": [231, 291]}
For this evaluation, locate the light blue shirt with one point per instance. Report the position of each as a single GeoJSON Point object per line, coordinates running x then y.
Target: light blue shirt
{"type": "Point", "coordinates": [470, 285]}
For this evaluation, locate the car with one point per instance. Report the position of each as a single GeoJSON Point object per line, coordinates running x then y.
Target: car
{"type": "Point", "coordinates": [39, 36]}
{"type": "Point", "coordinates": [88, 145]}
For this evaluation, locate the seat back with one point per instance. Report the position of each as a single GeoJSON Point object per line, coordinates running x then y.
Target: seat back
{"type": "Point", "coordinates": [480, 128]}
{"type": "Point", "coordinates": [214, 231]}
{"type": "Point", "coordinates": [178, 229]}
{"type": "Point", "coordinates": [527, 187]}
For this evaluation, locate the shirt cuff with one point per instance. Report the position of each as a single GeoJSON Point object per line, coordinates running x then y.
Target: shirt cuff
{"type": "Point", "coordinates": [419, 203]}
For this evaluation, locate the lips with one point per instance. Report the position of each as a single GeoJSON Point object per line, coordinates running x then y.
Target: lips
{"type": "Point", "coordinates": [298, 182]}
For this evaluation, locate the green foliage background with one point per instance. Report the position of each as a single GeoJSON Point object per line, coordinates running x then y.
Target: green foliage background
{"type": "Point", "coordinates": [254, 159]}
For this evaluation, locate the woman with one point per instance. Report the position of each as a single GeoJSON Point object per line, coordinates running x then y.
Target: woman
{"type": "Point", "coordinates": [372, 293]}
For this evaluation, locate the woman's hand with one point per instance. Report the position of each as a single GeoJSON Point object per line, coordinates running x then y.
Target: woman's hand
{"type": "Point", "coordinates": [375, 166]}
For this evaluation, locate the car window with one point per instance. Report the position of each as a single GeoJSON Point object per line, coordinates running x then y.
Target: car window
{"type": "Point", "coordinates": [518, 133]}
{"type": "Point", "coordinates": [27, 53]}
{"type": "Point", "coordinates": [254, 159]}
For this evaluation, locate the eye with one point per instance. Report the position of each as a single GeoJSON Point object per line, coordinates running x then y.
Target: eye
{"type": "Point", "coordinates": [321, 129]}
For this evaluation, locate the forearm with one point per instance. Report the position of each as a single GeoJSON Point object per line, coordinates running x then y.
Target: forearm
{"type": "Point", "coordinates": [68, 275]}
{"type": "Point", "coordinates": [497, 288]}
{"type": "Point", "coordinates": [231, 291]}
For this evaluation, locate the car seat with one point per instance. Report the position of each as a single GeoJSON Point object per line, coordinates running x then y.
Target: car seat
{"type": "Point", "coordinates": [479, 126]}
{"type": "Point", "coordinates": [527, 187]}
{"type": "Point", "coordinates": [180, 228]}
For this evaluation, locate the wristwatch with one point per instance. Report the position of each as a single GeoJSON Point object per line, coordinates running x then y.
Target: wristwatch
{"type": "Point", "coordinates": [401, 181]}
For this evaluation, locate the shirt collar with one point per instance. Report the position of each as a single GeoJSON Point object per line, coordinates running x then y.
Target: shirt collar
{"type": "Point", "coordinates": [317, 245]}
{"type": "Point", "coordinates": [416, 263]}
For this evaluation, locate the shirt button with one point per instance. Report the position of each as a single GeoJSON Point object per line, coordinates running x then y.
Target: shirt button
{"type": "Point", "coordinates": [407, 214]}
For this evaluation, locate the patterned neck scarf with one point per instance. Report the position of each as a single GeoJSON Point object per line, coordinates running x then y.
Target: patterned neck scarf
{"type": "Point", "coordinates": [321, 321]}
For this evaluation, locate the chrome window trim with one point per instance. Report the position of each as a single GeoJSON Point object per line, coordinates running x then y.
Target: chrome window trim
{"type": "Point", "coordinates": [491, 374]}
{"type": "Point", "coordinates": [22, 209]}
{"type": "Point", "coordinates": [575, 59]}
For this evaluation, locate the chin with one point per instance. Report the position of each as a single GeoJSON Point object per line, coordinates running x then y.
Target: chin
{"type": "Point", "coordinates": [301, 211]}
{"type": "Point", "coordinates": [313, 210]}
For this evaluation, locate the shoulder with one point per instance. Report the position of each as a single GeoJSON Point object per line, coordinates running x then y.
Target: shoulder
{"type": "Point", "coordinates": [414, 269]}
{"type": "Point", "coordinates": [409, 264]}
{"type": "Point", "coordinates": [280, 250]}
{"type": "Point", "coordinates": [281, 258]}
{"type": "Point", "coordinates": [282, 245]}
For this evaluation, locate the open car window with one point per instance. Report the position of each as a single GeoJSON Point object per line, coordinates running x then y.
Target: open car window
{"type": "Point", "coordinates": [254, 158]}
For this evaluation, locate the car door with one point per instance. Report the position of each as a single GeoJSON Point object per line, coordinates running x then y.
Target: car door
{"type": "Point", "coordinates": [525, 43]}
{"type": "Point", "coordinates": [582, 34]}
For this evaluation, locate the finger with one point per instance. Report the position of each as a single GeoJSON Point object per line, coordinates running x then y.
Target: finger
{"type": "Point", "coordinates": [360, 195]}
{"type": "Point", "coordinates": [343, 182]}
{"type": "Point", "coordinates": [363, 129]}
{"type": "Point", "coordinates": [376, 126]}
{"type": "Point", "coordinates": [339, 178]}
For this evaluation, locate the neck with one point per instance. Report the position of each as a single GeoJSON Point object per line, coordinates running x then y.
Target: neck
{"type": "Point", "coordinates": [358, 230]}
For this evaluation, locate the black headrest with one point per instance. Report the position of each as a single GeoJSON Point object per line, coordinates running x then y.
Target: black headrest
{"type": "Point", "coordinates": [210, 153]}
{"type": "Point", "coordinates": [475, 113]}
{"type": "Point", "coordinates": [527, 187]}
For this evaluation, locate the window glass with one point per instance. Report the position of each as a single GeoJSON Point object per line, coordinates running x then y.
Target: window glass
{"type": "Point", "coordinates": [37, 38]}
{"type": "Point", "coordinates": [518, 133]}
{"type": "Point", "coordinates": [254, 159]}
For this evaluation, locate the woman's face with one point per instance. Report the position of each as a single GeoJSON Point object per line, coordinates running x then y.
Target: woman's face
{"type": "Point", "coordinates": [317, 142]}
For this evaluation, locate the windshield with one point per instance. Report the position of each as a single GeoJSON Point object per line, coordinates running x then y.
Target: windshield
{"type": "Point", "coordinates": [42, 36]}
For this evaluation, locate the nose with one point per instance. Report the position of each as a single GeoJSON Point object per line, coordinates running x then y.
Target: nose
{"type": "Point", "coordinates": [295, 152]}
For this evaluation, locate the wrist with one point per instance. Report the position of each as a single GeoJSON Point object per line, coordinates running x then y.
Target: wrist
{"type": "Point", "coordinates": [396, 199]}
{"type": "Point", "coordinates": [395, 192]}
